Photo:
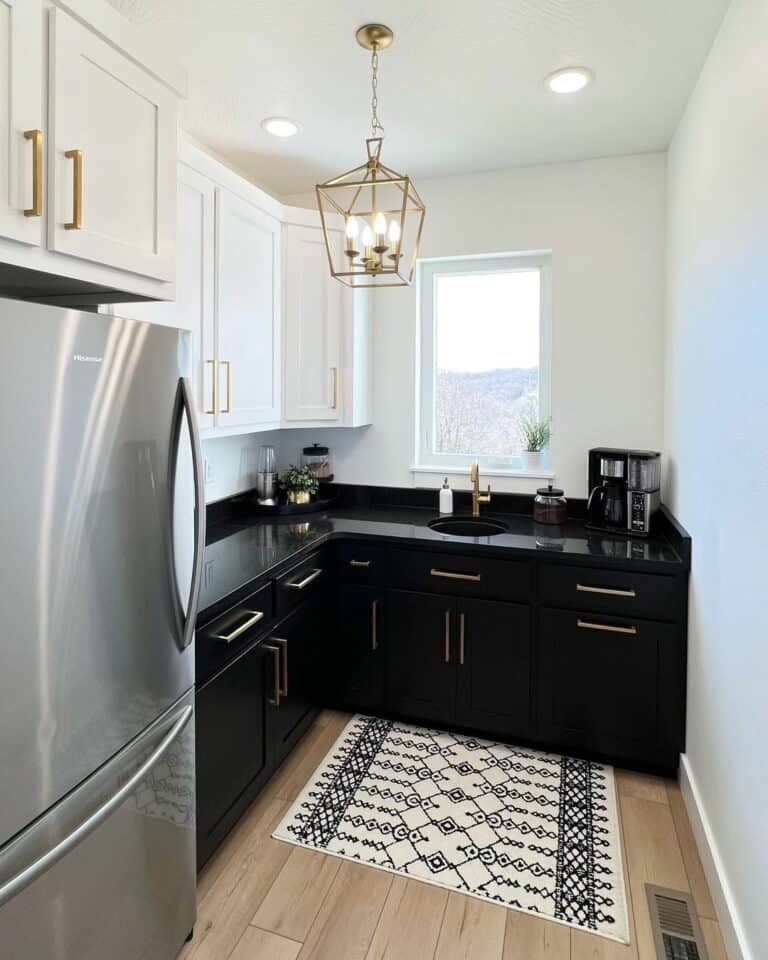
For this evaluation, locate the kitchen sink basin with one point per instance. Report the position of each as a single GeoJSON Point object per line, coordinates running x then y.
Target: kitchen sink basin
{"type": "Point", "coordinates": [468, 526]}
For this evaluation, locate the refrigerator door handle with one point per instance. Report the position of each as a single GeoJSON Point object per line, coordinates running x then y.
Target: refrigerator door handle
{"type": "Point", "coordinates": [185, 408]}
{"type": "Point", "coordinates": [29, 874]}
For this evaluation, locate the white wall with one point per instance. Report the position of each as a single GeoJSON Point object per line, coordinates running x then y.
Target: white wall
{"type": "Point", "coordinates": [717, 453]}
{"type": "Point", "coordinates": [604, 221]}
{"type": "Point", "coordinates": [231, 463]}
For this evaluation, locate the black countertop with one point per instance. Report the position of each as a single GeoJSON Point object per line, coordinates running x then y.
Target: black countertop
{"type": "Point", "coordinates": [240, 549]}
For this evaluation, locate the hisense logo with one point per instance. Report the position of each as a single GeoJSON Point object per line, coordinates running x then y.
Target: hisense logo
{"type": "Point", "coordinates": [84, 358]}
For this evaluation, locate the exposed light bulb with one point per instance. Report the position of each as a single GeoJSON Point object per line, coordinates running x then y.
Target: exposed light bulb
{"type": "Point", "coordinates": [393, 233]}
{"type": "Point", "coordinates": [367, 236]}
{"type": "Point", "coordinates": [353, 228]}
{"type": "Point", "coordinates": [380, 224]}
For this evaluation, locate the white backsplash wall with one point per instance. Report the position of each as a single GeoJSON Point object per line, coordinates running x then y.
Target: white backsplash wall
{"type": "Point", "coordinates": [230, 463]}
{"type": "Point", "coordinates": [604, 221]}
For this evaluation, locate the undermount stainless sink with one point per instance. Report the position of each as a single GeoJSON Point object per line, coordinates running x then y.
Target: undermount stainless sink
{"type": "Point", "coordinates": [468, 526]}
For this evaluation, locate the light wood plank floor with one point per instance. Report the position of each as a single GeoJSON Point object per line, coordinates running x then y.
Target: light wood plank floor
{"type": "Point", "coordinates": [260, 899]}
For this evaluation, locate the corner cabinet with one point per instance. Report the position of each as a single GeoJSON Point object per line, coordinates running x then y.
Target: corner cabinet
{"type": "Point", "coordinates": [88, 168]}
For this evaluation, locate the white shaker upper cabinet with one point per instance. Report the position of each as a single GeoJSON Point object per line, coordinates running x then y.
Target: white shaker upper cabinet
{"type": "Point", "coordinates": [314, 317]}
{"type": "Point", "coordinates": [21, 121]}
{"type": "Point", "coordinates": [112, 155]}
{"type": "Point", "coordinates": [247, 313]}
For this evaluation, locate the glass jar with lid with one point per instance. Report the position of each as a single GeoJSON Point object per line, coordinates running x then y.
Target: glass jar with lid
{"type": "Point", "coordinates": [549, 505]}
{"type": "Point", "coordinates": [318, 459]}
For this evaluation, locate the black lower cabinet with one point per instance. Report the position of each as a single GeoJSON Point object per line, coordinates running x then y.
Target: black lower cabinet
{"type": "Point", "coordinates": [598, 683]}
{"type": "Point", "coordinates": [301, 641]}
{"type": "Point", "coordinates": [356, 674]}
{"type": "Point", "coordinates": [231, 746]}
{"type": "Point", "coordinates": [420, 668]}
{"type": "Point", "coordinates": [493, 674]}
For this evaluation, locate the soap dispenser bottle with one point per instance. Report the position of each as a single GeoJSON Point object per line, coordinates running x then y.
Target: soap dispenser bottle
{"type": "Point", "coordinates": [446, 498]}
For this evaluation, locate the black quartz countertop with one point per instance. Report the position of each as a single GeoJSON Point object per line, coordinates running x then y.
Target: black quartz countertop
{"type": "Point", "coordinates": [242, 548]}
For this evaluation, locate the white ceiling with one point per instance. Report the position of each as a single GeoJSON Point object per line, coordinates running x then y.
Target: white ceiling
{"type": "Point", "coordinates": [461, 89]}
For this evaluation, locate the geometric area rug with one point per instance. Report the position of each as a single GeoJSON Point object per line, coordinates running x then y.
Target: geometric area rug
{"type": "Point", "coordinates": [532, 831]}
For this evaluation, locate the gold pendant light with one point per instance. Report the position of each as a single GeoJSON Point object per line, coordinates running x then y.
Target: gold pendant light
{"type": "Point", "coordinates": [379, 210]}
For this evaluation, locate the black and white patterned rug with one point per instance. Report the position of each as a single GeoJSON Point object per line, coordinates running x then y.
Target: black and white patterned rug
{"type": "Point", "coordinates": [532, 831]}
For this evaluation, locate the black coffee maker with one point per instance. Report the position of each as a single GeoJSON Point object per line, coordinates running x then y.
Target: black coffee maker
{"type": "Point", "coordinates": [607, 504]}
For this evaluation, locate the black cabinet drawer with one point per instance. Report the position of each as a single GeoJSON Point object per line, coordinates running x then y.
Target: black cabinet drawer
{"type": "Point", "coordinates": [310, 578]}
{"type": "Point", "coordinates": [601, 683]}
{"type": "Point", "coordinates": [625, 594]}
{"type": "Point", "coordinates": [363, 563]}
{"type": "Point", "coordinates": [462, 576]}
{"type": "Point", "coordinates": [222, 639]}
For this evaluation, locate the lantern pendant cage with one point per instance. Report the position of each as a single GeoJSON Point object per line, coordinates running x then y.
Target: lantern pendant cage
{"type": "Point", "coordinates": [379, 209]}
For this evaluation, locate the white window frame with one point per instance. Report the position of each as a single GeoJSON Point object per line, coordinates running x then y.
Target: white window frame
{"type": "Point", "coordinates": [428, 461]}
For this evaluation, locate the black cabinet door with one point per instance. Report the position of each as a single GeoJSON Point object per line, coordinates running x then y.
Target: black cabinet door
{"type": "Point", "coordinates": [358, 649]}
{"type": "Point", "coordinates": [231, 747]}
{"type": "Point", "coordinates": [493, 689]}
{"type": "Point", "coordinates": [420, 656]}
{"type": "Point", "coordinates": [598, 682]}
{"type": "Point", "coordinates": [301, 640]}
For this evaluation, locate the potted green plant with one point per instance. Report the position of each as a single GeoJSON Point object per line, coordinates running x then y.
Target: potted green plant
{"type": "Point", "coordinates": [534, 437]}
{"type": "Point", "coordinates": [300, 484]}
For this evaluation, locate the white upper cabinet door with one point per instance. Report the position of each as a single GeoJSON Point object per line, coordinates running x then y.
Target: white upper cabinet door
{"type": "Point", "coordinates": [112, 155]}
{"type": "Point", "coordinates": [247, 313]}
{"type": "Point", "coordinates": [314, 311]}
{"type": "Point", "coordinates": [21, 120]}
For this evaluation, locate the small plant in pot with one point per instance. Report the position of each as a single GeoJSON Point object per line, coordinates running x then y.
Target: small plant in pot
{"type": "Point", "coordinates": [300, 484]}
{"type": "Point", "coordinates": [534, 437]}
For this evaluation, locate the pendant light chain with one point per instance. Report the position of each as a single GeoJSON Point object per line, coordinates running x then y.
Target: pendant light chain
{"type": "Point", "coordinates": [375, 125]}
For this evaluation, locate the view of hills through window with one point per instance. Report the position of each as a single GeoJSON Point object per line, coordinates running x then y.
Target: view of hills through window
{"type": "Point", "coordinates": [487, 360]}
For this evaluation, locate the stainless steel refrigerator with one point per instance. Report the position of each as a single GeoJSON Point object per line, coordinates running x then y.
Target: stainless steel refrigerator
{"type": "Point", "coordinates": [102, 530]}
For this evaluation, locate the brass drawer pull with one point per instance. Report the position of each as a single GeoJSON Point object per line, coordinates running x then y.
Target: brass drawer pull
{"type": "Point", "coordinates": [374, 625]}
{"type": "Point", "coordinates": [275, 700]}
{"type": "Point", "coordinates": [449, 575]}
{"type": "Point", "coordinates": [359, 563]}
{"type": "Point", "coordinates": [608, 591]}
{"type": "Point", "coordinates": [301, 584]}
{"type": "Point", "coordinates": [284, 647]}
{"type": "Point", "coordinates": [447, 654]}
{"type": "Point", "coordinates": [609, 628]}
{"type": "Point", "coordinates": [256, 615]}
{"type": "Point", "coordinates": [36, 136]}
{"type": "Point", "coordinates": [213, 386]}
{"type": "Point", "coordinates": [335, 387]}
{"type": "Point", "coordinates": [461, 638]}
{"type": "Point", "coordinates": [76, 223]}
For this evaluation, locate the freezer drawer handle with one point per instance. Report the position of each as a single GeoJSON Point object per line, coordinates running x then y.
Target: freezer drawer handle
{"type": "Point", "coordinates": [301, 584]}
{"type": "Point", "coordinates": [239, 631]}
{"type": "Point", "coordinates": [609, 628]}
{"type": "Point", "coordinates": [36, 869]}
{"type": "Point", "coordinates": [608, 591]}
{"type": "Point", "coordinates": [450, 575]}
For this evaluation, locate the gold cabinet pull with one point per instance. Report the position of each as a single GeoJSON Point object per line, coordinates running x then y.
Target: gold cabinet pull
{"type": "Point", "coordinates": [450, 575]}
{"type": "Point", "coordinates": [301, 584]}
{"type": "Point", "coordinates": [284, 647]}
{"type": "Point", "coordinates": [76, 223]}
{"type": "Point", "coordinates": [213, 386]}
{"type": "Point", "coordinates": [228, 365]}
{"type": "Point", "coordinates": [256, 615]}
{"type": "Point", "coordinates": [374, 625]}
{"type": "Point", "coordinates": [335, 387]}
{"type": "Point", "coordinates": [608, 627]}
{"type": "Point", "coordinates": [275, 699]}
{"type": "Point", "coordinates": [36, 136]}
{"type": "Point", "coordinates": [608, 591]}
{"type": "Point", "coordinates": [461, 638]}
{"type": "Point", "coordinates": [359, 563]}
{"type": "Point", "coordinates": [447, 653]}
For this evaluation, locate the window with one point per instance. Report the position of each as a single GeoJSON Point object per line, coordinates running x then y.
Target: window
{"type": "Point", "coordinates": [484, 358]}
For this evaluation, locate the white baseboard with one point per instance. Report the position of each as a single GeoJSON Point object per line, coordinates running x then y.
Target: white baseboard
{"type": "Point", "coordinates": [730, 926]}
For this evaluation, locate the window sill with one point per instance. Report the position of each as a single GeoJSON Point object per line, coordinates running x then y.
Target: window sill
{"type": "Point", "coordinates": [485, 472]}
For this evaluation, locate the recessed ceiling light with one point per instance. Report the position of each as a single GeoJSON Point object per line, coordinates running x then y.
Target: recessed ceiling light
{"type": "Point", "coordinates": [569, 79]}
{"type": "Point", "coordinates": [280, 126]}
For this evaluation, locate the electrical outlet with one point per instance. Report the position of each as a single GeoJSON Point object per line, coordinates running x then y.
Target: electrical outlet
{"type": "Point", "coordinates": [208, 470]}
{"type": "Point", "coordinates": [208, 573]}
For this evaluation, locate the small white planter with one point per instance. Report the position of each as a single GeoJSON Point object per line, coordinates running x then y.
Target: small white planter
{"type": "Point", "coordinates": [533, 460]}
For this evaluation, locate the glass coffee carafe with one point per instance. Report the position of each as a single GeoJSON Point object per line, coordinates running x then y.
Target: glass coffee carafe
{"type": "Point", "coordinates": [607, 504]}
